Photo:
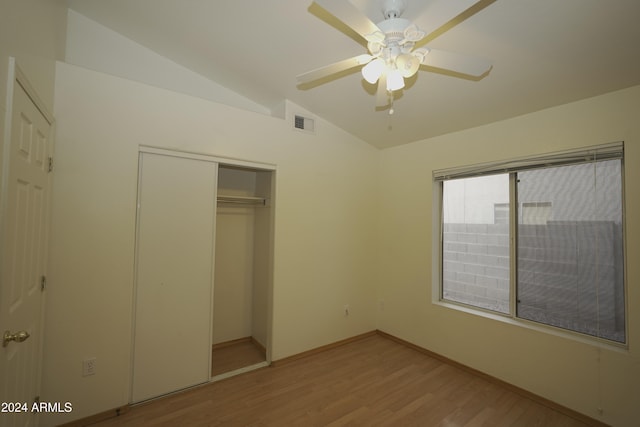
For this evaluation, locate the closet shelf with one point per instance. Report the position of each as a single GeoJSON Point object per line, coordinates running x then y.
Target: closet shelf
{"type": "Point", "coordinates": [243, 200]}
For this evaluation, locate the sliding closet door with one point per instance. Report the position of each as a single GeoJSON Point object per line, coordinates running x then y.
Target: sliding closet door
{"type": "Point", "coordinates": [174, 268]}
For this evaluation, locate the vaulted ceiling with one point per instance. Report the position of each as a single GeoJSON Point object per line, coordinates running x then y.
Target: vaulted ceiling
{"type": "Point", "coordinates": [544, 53]}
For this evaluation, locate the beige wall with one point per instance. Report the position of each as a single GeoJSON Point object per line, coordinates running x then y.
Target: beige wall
{"type": "Point", "coordinates": [576, 373]}
{"type": "Point", "coordinates": [324, 245]}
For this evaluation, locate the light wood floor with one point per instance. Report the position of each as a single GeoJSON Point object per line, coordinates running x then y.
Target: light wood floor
{"type": "Point", "coordinates": [372, 381]}
{"type": "Point", "coordinates": [238, 354]}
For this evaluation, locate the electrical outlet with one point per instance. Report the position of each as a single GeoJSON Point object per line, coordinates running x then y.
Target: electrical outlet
{"type": "Point", "coordinates": [346, 309]}
{"type": "Point", "coordinates": [89, 367]}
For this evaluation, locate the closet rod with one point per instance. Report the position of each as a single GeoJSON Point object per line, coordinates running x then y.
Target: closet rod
{"type": "Point", "coordinates": [243, 200]}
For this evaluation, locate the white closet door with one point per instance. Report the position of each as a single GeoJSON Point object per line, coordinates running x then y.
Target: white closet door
{"type": "Point", "coordinates": [172, 347]}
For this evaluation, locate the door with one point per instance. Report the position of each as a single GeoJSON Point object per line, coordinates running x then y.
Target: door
{"type": "Point", "coordinates": [24, 241]}
{"type": "Point", "coordinates": [174, 274]}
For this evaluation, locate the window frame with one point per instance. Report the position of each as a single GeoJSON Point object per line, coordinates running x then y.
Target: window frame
{"type": "Point", "coordinates": [512, 167]}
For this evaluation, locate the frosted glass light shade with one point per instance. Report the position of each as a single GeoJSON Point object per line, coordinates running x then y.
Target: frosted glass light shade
{"type": "Point", "coordinates": [407, 64]}
{"type": "Point", "coordinates": [373, 70]}
{"type": "Point", "coordinates": [421, 53]}
{"type": "Point", "coordinates": [395, 81]}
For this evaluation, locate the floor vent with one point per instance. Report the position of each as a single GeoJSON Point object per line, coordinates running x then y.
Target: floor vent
{"type": "Point", "coordinates": [303, 123]}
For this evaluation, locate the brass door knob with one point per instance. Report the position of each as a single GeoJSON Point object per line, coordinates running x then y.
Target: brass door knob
{"type": "Point", "coordinates": [17, 337]}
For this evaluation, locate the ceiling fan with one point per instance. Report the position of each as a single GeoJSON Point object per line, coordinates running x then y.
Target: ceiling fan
{"type": "Point", "coordinates": [393, 55]}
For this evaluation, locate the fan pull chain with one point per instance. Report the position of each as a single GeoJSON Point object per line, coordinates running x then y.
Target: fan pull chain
{"type": "Point", "coordinates": [391, 110]}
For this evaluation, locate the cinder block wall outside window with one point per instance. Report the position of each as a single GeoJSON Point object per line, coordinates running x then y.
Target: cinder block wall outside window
{"type": "Point", "coordinates": [567, 272]}
{"type": "Point", "coordinates": [476, 264]}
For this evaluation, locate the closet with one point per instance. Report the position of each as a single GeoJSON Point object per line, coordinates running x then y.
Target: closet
{"type": "Point", "coordinates": [203, 269]}
{"type": "Point", "coordinates": [242, 268]}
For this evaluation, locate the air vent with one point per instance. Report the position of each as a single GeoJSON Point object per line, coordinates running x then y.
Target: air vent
{"type": "Point", "coordinates": [303, 123]}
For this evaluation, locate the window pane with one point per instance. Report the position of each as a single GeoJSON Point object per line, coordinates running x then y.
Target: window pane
{"type": "Point", "coordinates": [475, 239]}
{"type": "Point", "coordinates": [570, 263]}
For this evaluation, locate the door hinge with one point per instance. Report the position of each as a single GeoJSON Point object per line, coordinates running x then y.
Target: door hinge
{"type": "Point", "coordinates": [43, 283]}
{"type": "Point", "coordinates": [50, 164]}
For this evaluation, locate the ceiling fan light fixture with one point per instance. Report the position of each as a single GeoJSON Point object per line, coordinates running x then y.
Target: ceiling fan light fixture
{"type": "Point", "coordinates": [392, 58]}
{"type": "Point", "coordinates": [395, 81]}
{"type": "Point", "coordinates": [373, 70]}
{"type": "Point", "coordinates": [407, 47]}
{"type": "Point", "coordinates": [413, 34]}
{"type": "Point", "coordinates": [407, 64]}
{"type": "Point", "coordinates": [420, 54]}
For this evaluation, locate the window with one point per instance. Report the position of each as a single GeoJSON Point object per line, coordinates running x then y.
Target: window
{"type": "Point", "coordinates": [475, 247]}
{"type": "Point", "coordinates": [538, 239]}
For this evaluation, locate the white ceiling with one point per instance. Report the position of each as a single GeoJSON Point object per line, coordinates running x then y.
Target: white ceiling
{"type": "Point", "coordinates": [544, 53]}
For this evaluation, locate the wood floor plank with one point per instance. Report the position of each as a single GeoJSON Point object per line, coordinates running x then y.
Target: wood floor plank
{"type": "Point", "coordinates": [235, 355]}
{"type": "Point", "coordinates": [373, 381]}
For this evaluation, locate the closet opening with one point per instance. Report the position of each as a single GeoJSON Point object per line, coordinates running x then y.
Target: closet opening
{"type": "Point", "coordinates": [243, 270]}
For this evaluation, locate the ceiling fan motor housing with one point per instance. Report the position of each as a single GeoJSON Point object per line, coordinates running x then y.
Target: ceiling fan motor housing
{"type": "Point", "coordinates": [393, 28]}
{"type": "Point", "coordinates": [393, 8]}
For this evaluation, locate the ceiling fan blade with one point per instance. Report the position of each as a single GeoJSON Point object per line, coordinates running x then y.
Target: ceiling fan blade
{"type": "Point", "coordinates": [349, 15]}
{"type": "Point", "coordinates": [382, 96]}
{"type": "Point", "coordinates": [440, 12]}
{"type": "Point", "coordinates": [463, 64]}
{"type": "Point", "coordinates": [334, 68]}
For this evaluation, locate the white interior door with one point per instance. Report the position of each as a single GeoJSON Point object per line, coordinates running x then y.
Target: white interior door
{"type": "Point", "coordinates": [24, 242]}
{"type": "Point", "coordinates": [174, 269]}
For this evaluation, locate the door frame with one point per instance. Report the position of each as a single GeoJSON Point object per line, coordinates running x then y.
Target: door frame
{"type": "Point", "coordinates": [16, 76]}
{"type": "Point", "coordinates": [220, 160]}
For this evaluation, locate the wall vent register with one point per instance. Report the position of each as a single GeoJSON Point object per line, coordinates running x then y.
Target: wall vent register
{"type": "Point", "coordinates": [303, 123]}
